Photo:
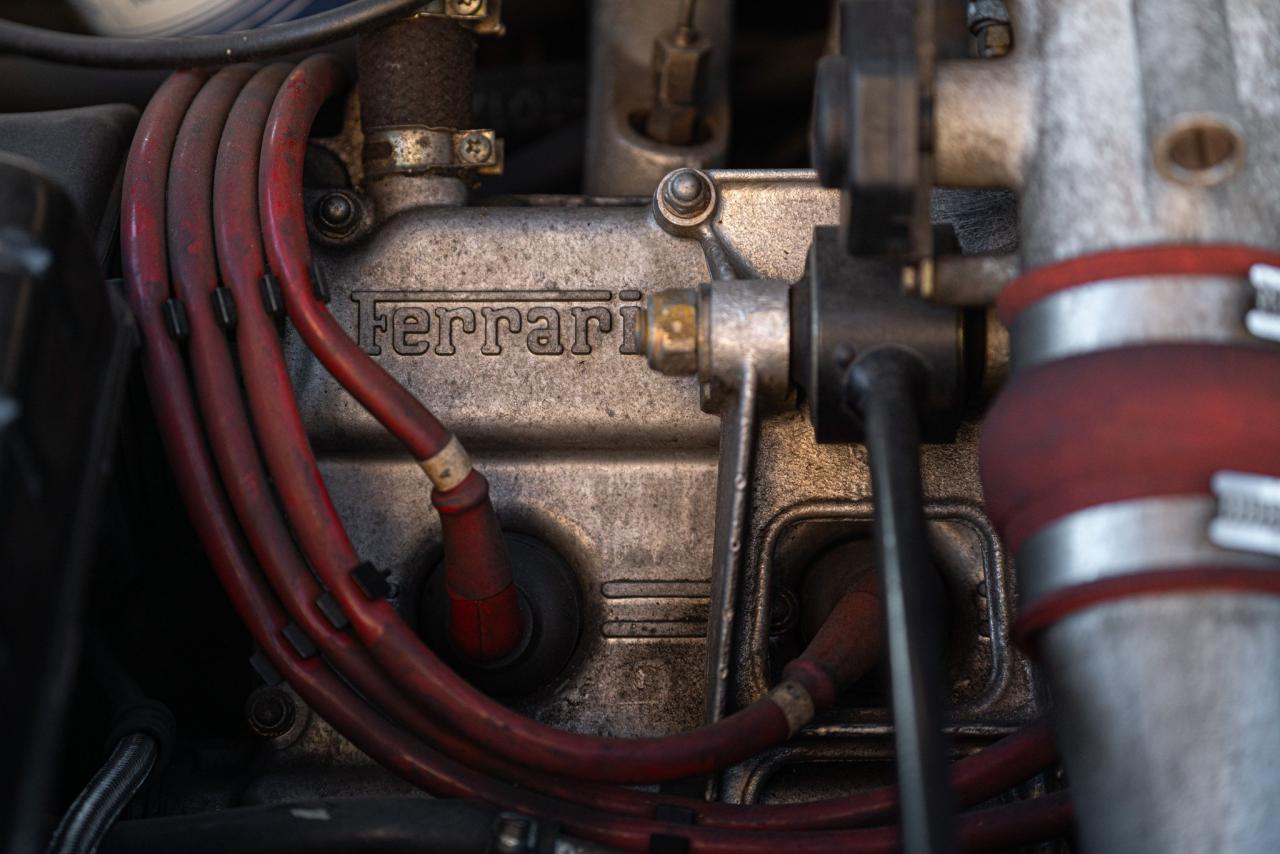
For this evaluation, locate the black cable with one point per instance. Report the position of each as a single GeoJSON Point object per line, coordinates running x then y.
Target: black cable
{"type": "Point", "coordinates": [884, 385]}
{"type": "Point", "coordinates": [139, 743]}
{"type": "Point", "coordinates": [105, 797]}
{"type": "Point", "coordinates": [190, 51]}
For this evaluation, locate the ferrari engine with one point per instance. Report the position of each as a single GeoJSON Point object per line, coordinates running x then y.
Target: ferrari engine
{"type": "Point", "coordinates": [678, 426]}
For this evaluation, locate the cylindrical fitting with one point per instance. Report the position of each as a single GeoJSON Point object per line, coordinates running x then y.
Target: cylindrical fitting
{"type": "Point", "coordinates": [485, 623]}
{"type": "Point", "coordinates": [671, 331]}
{"type": "Point", "coordinates": [417, 71]}
{"type": "Point", "coordinates": [416, 87]}
{"type": "Point", "coordinates": [1097, 462]}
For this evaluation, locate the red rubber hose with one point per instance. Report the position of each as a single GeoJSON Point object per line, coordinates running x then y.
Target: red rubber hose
{"type": "Point", "coordinates": [144, 261]}
{"type": "Point", "coordinates": [235, 209]}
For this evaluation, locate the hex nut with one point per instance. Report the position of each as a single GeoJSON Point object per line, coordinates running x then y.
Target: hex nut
{"type": "Point", "coordinates": [671, 331]}
{"type": "Point", "coordinates": [684, 201]}
{"type": "Point", "coordinates": [995, 39]}
{"type": "Point", "coordinates": [679, 67]}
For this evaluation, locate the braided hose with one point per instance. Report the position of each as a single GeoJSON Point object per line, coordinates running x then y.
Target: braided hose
{"type": "Point", "coordinates": [98, 806]}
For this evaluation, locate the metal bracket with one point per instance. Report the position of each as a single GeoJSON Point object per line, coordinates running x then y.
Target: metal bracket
{"type": "Point", "coordinates": [870, 121]}
{"type": "Point", "coordinates": [685, 205]}
{"type": "Point", "coordinates": [484, 17]}
{"type": "Point", "coordinates": [414, 150]}
{"type": "Point", "coordinates": [736, 337]}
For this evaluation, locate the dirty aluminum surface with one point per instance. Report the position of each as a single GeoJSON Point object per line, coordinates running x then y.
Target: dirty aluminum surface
{"type": "Point", "coordinates": [517, 327]}
{"type": "Point", "coordinates": [1080, 115]}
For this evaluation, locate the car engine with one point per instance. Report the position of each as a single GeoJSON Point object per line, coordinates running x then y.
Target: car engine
{"type": "Point", "coordinates": [669, 426]}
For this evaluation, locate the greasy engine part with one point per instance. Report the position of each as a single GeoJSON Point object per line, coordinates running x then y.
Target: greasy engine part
{"type": "Point", "coordinates": [727, 562]}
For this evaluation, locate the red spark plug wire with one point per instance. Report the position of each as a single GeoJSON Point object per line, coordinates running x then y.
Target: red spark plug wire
{"type": "Point", "coordinates": [485, 623]}
{"type": "Point", "coordinates": [195, 276]}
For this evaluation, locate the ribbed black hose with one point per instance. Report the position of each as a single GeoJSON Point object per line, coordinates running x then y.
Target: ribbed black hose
{"type": "Point", "coordinates": [884, 385]}
{"type": "Point", "coordinates": [191, 51]}
{"type": "Point", "coordinates": [97, 807]}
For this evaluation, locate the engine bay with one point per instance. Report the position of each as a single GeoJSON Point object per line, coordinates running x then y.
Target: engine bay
{"type": "Point", "coordinates": [679, 426]}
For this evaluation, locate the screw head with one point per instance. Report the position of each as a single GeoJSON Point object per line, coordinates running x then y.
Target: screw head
{"type": "Point", "coordinates": [337, 214]}
{"type": "Point", "coordinates": [1199, 149]}
{"type": "Point", "coordinates": [468, 7]}
{"type": "Point", "coordinates": [270, 712]}
{"type": "Point", "coordinates": [476, 148]}
{"type": "Point", "coordinates": [784, 611]}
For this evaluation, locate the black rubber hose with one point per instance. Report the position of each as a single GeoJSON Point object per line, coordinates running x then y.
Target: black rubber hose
{"type": "Point", "coordinates": [417, 72]}
{"type": "Point", "coordinates": [885, 385]}
{"type": "Point", "coordinates": [347, 825]}
{"type": "Point", "coordinates": [192, 51]}
{"type": "Point", "coordinates": [95, 810]}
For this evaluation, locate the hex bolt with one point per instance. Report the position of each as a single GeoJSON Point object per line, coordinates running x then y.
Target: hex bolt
{"type": "Point", "coordinates": [686, 192]}
{"type": "Point", "coordinates": [337, 214]}
{"type": "Point", "coordinates": [1200, 149]}
{"type": "Point", "coordinates": [512, 834]}
{"type": "Point", "coordinates": [476, 148]}
{"type": "Point", "coordinates": [270, 711]}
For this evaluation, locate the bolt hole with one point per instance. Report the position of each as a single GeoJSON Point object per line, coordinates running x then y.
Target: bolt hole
{"type": "Point", "coordinates": [1201, 150]}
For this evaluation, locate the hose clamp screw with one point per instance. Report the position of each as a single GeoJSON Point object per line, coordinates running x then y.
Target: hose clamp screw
{"type": "Point", "coordinates": [476, 148]}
